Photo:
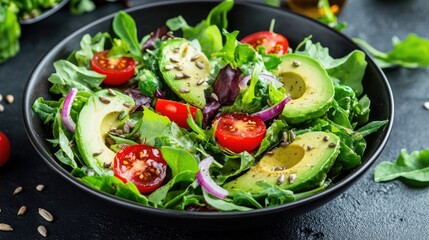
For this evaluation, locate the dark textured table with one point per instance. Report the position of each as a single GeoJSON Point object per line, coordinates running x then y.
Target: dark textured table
{"type": "Point", "coordinates": [368, 210]}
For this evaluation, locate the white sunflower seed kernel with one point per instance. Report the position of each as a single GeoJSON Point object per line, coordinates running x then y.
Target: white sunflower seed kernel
{"type": "Point", "coordinates": [42, 230]}
{"type": "Point", "coordinates": [46, 215]}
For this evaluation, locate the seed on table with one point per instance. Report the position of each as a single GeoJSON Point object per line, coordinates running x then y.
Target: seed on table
{"type": "Point", "coordinates": [426, 105]}
{"type": "Point", "coordinates": [42, 230]}
{"type": "Point", "coordinates": [17, 190]}
{"type": "Point", "coordinates": [5, 227]}
{"type": "Point", "coordinates": [1, 108]}
{"type": "Point", "coordinates": [40, 187]}
{"type": "Point", "coordinates": [22, 210]}
{"type": "Point", "coordinates": [1, 97]}
{"type": "Point", "coordinates": [9, 99]}
{"type": "Point", "coordinates": [46, 215]}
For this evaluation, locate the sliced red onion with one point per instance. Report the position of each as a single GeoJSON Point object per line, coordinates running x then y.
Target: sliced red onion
{"type": "Point", "coordinates": [244, 81]}
{"type": "Point", "coordinates": [65, 112]}
{"type": "Point", "coordinates": [207, 182]}
{"type": "Point", "coordinates": [272, 111]}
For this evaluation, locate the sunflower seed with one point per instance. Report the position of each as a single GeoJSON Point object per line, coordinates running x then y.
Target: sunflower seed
{"type": "Point", "coordinates": [174, 60]}
{"type": "Point", "coordinates": [195, 57]}
{"type": "Point", "coordinates": [215, 97]}
{"type": "Point", "coordinates": [326, 138]}
{"type": "Point", "coordinates": [5, 227]}
{"type": "Point", "coordinates": [292, 178]}
{"type": "Point", "coordinates": [104, 99]}
{"type": "Point", "coordinates": [426, 105]}
{"type": "Point", "coordinates": [176, 50]}
{"type": "Point", "coordinates": [42, 230]}
{"type": "Point", "coordinates": [201, 81]}
{"type": "Point", "coordinates": [9, 99]}
{"type": "Point", "coordinates": [1, 108]}
{"type": "Point", "coordinates": [107, 164]}
{"type": "Point", "coordinates": [309, 147]}
{"type": "Point", "coordinates": [199, 64]}
{"type": "Point", "coordinates": [1, 97]}
{"type": "Point", "coordinates": [331, 145]}
{"type": "Point", "coordinates": [46, 215]}
{"type": "Point", "coordinates": [285, 137]}
{"type": "Point", "coordinates": [178, 68]}
{"type": "Point", "coordinates": [40, 187]}
{"type": "Point", "coordinates": [284, 144]}
{"type": "Point", "coordinates": [168, 67]}
{"type": "Point", "coordinates": [125, 104]}
{"type": "Point", "coordinates": [281, 179]}
{"type": "Point", "coordinates": [97, 153]}
{"type": "Point", "coordinates": [22, 210]}
{"type": "Point", "coordinates": [292, 136]}
{"type": "Point", "coordinates": [296, 63]}
{"type": "Point", "coordinates": [111, 92]}
{"type": "Point", "coordinates": [184, 90]}
{"type": "Point", "coordinates": [17, 190]}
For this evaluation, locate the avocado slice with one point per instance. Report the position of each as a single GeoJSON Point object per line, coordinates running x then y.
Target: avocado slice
{"type": "Point", "coordinates": [97, 117]}
{"type": "Point", "coordinates": [299, 166]}
{"type": "Point", "coordinates": [185, 70]}
{"type": "Point", "coordinates": [309, 85]}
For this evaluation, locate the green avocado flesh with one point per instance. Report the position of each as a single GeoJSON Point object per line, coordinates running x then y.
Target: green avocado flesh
{"type": "Point", "coordinates": [309, 85]}
{"type": "Point", "coordinates": [300, 166]}
{"type": "Point", "coordinates": [98, 116]}
{"type": "Point", "coordinates": [185, 70]}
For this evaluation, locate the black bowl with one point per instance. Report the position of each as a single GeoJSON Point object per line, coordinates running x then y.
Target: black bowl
{"type": "Point", "coordinates": [247, 18]}
{"type": "Point", "coordinates": [44, 14]}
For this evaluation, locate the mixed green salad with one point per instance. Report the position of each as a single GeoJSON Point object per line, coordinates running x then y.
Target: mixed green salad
{"type": "Point", "coordinates": [192, 118]}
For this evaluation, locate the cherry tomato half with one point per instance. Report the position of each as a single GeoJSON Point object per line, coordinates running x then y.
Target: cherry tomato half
{"type": "Point", "coordinates": [117, 70]}
{"type": "Point", "coordinates": [4, 149]}
{"type": "Point", "coordinates": [142, 165]}
{"type": "Point", "coordinates": [239, 131]}
{"type": "Point", "coordinates": [175, 111]}
{"type": "Point", "coordinates": [273, 43]}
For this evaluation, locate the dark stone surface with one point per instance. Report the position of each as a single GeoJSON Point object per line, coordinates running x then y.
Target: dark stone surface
{"type": "Point", "coordinates": [368, 210]}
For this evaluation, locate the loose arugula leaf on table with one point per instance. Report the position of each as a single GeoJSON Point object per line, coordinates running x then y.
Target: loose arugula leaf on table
{"type": "Point", "coordinates": [412, 169]}
{"type": "Point", "coordinates": [78, 7]}
{"type": "Point", "coordinates": [412, 52]}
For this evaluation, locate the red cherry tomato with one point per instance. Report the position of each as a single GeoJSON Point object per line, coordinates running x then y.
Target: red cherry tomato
{"type": "Point", "coordinates": [239, 132]}
{"type": "Point", "coordinates": [117, 70]}
{"type": "Point", "coordinates": [142, 165]}
{"type": "Point", "coordinates": [273, 43]}
{"type": "Point", "coordinates": [175, 111]}
{"type": "Point", "coordinates": [4, 149]}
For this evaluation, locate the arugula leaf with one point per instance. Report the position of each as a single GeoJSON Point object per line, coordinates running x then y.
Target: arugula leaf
{"type": "Point", "coordinates": [413, 169]}
{"type": "Point", "coordinates": [329, 17]}
{"type": "Point", "coordinates": [348, 70]}
{"type": "Point", "coordinates": [413, 52]}
{"type": "Point", "coordinates": [78, 7]}
{"type": "Point", "coordinates": [69, 75]}
{"type": "Point", "coordinates": [88, 46]}
{"type": "Point", "coordinates": [152, 125]}
{"type": "Point", "coordinates": [208, 31]}
{"type": "Point", "coordinates": [125, 27]}
{"type": "Point", "coordinates": [222, 204]}
{"type": "Point", "coordinates": [46, 109]}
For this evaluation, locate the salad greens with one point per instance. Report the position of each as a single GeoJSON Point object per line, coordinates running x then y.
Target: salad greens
{"type": "Point", "coordinates": [411, 168]}
{"type": "Point", "coordinates": [10, 31]}
{"type": "Point", "coordinates": [412, 52]}
{"type": "Point", "coordinates": [183, 149]}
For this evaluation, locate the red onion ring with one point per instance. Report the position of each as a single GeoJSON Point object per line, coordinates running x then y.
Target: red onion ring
{"type": "Point", "coordinates": [272, 111]}
{"type": "Point", "coordinates": [65, 111]}
{"type": "Point", "coordinates": [205, 180]}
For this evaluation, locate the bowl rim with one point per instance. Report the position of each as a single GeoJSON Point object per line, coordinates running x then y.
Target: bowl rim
{"type": "Point", "coordinates": [344, 183]}
{"type": "Point", "coordinates": [44, 14]}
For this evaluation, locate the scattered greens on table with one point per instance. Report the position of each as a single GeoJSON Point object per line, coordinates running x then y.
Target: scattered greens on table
{"type": "Point", "coordinates": [412, 169]}
{"type": "Point", "coordinates": [10, 31]}
{"type": "Point", "coordinates": [347, 118]}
